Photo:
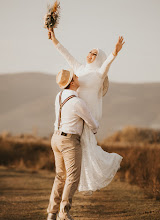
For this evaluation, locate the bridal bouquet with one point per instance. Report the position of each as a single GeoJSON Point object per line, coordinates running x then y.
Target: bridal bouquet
{"type": "Point", "coordinates": [51, 19]}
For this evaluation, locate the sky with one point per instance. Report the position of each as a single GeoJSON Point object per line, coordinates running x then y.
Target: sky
{"type": "Point", "coordinates": [84, 24]}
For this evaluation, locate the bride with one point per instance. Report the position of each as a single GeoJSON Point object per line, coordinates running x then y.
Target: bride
{"type": "Point", "coordinates": [98, 166]}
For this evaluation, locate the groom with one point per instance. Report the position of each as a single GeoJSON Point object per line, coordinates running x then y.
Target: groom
{"type": "Point", "coordinates": [71, 112]}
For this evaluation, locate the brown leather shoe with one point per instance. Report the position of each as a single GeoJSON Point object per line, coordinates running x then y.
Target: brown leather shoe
{"type": "Point", "coordinates": [51, 216]}
{"type": "Point", "coordinates": [67, 217]}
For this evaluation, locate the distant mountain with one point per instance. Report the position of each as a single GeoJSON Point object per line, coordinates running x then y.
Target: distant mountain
{"type": "Point", "coordinates": [27, 104]}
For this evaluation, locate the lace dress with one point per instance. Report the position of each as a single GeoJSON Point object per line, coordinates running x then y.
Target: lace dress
{"type": "Point", "coordinates": [98, 167]}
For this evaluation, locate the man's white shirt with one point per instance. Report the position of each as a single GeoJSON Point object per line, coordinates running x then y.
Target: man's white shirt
{"type": "Point", "coordinates": [73, 113]}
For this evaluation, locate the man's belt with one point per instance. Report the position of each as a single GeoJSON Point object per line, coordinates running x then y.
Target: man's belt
{"type": "Point", "coordinates": [62, 133]}
{"type": "Point", "coordinates": [65, 134]}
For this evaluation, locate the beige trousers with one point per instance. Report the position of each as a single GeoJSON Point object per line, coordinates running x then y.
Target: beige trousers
{"type": "Point", "coordinates": [68, 154]}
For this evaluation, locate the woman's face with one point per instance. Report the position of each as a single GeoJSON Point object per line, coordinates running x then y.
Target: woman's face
{"type": "Point", "coordinates": [92, 56]}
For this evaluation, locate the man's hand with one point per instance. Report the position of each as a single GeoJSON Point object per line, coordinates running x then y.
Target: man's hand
{"type": "Point", "coordinates": [119, 45]}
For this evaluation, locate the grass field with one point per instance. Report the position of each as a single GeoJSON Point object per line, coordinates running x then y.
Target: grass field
{"type": "Point", "coordinates": [27, 174]}
{"type": "Point", "coordinates": [25, 195]}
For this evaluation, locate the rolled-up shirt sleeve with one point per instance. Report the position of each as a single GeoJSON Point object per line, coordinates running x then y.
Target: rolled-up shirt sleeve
{"type": "Point", "coordinates": [73, 63]}
{"type": "Point", "coordinates": [83, 112]}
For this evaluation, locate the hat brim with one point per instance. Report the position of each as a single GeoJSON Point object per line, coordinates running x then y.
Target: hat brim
{"type": "Point", "coordinates": [69, 80]}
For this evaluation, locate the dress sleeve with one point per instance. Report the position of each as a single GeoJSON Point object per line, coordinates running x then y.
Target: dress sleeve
{"type": "Point", "coordinates": [83, 112]}
{"type": "Point", "coordinates": [73, 63]}
{"type": "Point", "coordinates": [106, 65]}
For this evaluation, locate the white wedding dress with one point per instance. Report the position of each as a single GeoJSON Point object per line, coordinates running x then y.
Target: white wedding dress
{"type": "Point", "coordinates": [98, 166]}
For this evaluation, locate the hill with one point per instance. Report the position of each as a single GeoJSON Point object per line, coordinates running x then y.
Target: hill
{"type": "Point", "coordinates": [27, 105]}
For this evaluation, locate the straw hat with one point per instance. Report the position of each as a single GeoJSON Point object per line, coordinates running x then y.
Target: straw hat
{"type": "Point", "coordinates": [64, 77]}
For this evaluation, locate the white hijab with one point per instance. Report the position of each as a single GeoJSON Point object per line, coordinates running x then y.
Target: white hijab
{"type": "Point", "coordinates": [97, 63]}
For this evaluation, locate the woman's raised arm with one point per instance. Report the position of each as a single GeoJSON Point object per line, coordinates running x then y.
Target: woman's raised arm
{"type": "Point", "coordinates": [107, 63]}
{"type": "Point", "coordinates": [73, 63]}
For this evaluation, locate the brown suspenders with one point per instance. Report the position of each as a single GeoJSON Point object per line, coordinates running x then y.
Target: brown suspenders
{"type": "Point", "coordinates": [61, 104]}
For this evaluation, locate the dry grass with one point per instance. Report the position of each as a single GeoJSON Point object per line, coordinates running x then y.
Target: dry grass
{"type": "Point", "coordinates": [140, 149]}
{"type": "Point", "coordinates": [26, 152]}
{"type": "Point", "coordinates": [140, 164]}
{"type": "Point", "coordinates": [136, 135]}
